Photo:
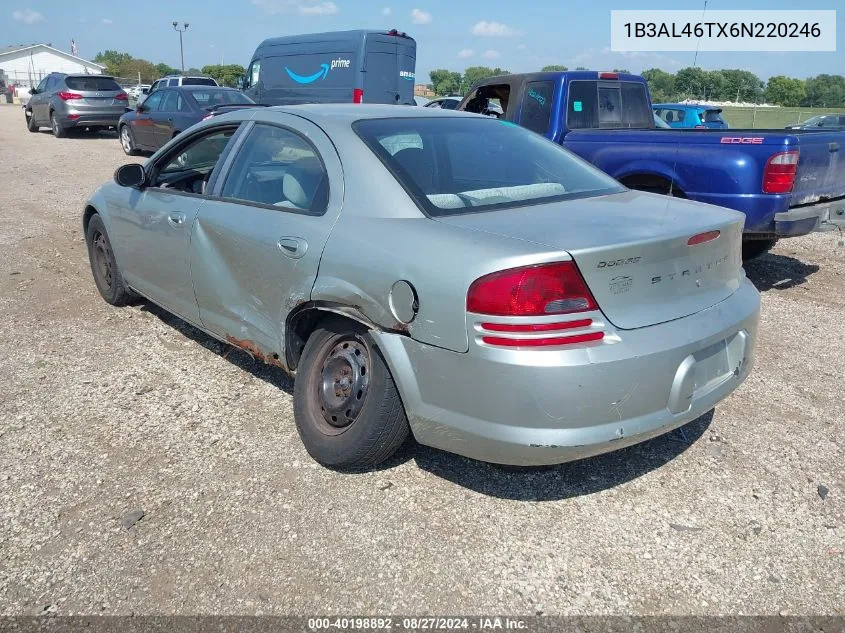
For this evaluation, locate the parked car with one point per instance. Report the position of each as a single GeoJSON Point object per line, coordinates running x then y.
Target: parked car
{"type": "Point", "coordinates": [65, 102]}
{"type": "Point", "coordinates": [536, 312]}
{"type": "Point", "coordinates": [786, 183]}
{"type": "Point", "coordinates": [176, 81]}
{"type": "Point", "coordinates": [170, 111]}
{"type": "Point", "coordinates": [136, 91]}
{"type": "Point", "coordinates": [684, 115]}
{"type": "Point", "coordinates": [338, 67]}
{"type": "Point", "coordinates": [825, 121]}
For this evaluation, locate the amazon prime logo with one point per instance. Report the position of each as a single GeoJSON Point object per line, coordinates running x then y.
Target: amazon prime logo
{"type": "Point", "coordinates": [321, 74]}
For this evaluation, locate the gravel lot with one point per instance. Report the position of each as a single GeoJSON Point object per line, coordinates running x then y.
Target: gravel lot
{"type": "Point", "coordinates": [106, 412]}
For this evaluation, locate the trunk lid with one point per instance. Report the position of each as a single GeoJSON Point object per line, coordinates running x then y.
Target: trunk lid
{"type": "Point", "coordinates": [632, 250]}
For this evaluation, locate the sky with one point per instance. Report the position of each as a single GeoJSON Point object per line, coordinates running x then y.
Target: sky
{"type": "Point", "coordinates": [453, 34]}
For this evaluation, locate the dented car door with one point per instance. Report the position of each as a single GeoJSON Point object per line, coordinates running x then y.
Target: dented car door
{"type": "Point", "coordinates": [256, 244]}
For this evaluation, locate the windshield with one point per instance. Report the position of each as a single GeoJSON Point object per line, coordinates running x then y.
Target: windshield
{"type": "Point", "coordinates": [211, 98]}
{"type": "Point", "coordinates": [461, 165]}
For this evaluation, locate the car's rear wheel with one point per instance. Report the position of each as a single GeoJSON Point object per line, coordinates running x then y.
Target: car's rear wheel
{"type": "Point", "coordinates": [30, 122]}
{"type": "Point", "coordinates": [755, 248]}
{"type": "Point", "coordinates": [107, 275]}
{"type": "Point", "coordinates": [127, 142]}
{"type": "Point", "coordinates": [347, 409]}
{"type": "Point", "coordinates": [58, 130]}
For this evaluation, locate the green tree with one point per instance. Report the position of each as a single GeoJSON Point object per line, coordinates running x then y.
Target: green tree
{"type": "Point", "coordinates": [163, 70]}
{"type": "Point", "coordinates": [661, 85]}
{"type": "Point", "coordinates": [134, 67]}
{"type": "Point", "coordinates": [445, 82]}
{"type": "Point", "coordinates": [582, 68]}
{"type": "Point", "coordinates": [226, 75]}
{"type": "Point", "coordinates": [785, 91]}
{"type": "Point", "coordinates": [114, 61]}
{"type": "Point", "coordinates": [474, 74]}
{"type": "Point", "coordinates": [741, 85]}
{"type": "Point", "coordinates": [554, 68]}
{"type": "Point", "coordinates": [825, 91]}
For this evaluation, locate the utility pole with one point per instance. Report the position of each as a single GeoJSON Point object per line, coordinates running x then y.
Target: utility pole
{"type": "Point", "coordinates": [181, 48]}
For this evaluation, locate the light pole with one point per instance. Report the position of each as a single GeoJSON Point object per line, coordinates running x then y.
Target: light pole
{"type": "Point", "coordinates": [181, 48]}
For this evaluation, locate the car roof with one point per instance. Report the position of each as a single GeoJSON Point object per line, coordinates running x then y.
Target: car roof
{"type": "Point", "coordinates": [348, 112]}
{"type": "Point", "coordinates": [192, 88]}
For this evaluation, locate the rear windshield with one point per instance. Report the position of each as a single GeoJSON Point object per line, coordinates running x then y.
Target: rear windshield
{"type": "Point", "coordinates": [461, 165]}
{"type": "Point", "coordinates": [198, 81]}
{"type": "Point", "coordinates": [95, 84]}
{"type": "Point", "coordinates": [712, 116]}
{"type": "Point", "coordinates": [608, 104]}
{"type": "Point", "coordinates": [211, 98]}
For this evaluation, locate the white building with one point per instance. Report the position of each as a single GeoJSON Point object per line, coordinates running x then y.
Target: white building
{"type": "Point", "coordinates": [26, 65]}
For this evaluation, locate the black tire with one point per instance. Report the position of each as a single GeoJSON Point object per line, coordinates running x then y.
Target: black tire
{"type": "Point", "coordinates": [30, 122]}
{"type": "Point", "coordinates": [754, 248]}
{"type": "Point", "coordinates": [128, 143]}
{"type": "Point", "coordinates": [368, 422]}
{"type": "Point", "coordinates": [58, 130]}
{"type": "Point", "coordinates": [107, 275]}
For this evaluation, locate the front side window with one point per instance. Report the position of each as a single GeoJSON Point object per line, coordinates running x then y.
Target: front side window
{"type": "Point", "coordinates": [253, 73]}
{"type": "Point", "coordinates": [537, 106]}
{"type": "Point", "coordinates": [43, 85]}
{"type": "Point", "coordinates": [189, 167]}
{"type": "Point", "coordinates": [713, 116]}
{"type": "Point", "coordinates": [456, 165]}
{"type": "Point", "coordinates": [152, 102]}
{"type": "Point", "coordinates": [279, 168]}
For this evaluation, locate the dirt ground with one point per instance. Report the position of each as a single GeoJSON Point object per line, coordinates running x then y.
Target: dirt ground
{"type": "Point", "coordinates": [145, 468]}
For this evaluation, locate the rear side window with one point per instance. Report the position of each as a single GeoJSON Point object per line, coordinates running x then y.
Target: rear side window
{"type": "Point", "coordinates": [173, 82]}
{"type": "Point", "coordinates": [279, 168]}
{"type": "Point", "coordinates": [92, 84]}
{"type": "Point", "coordinates": [198, 81]}
{"type": "Point", "coordinates": [537, 106]}
{"type": "Point", "coordinates": [455, 165]}
{"type": "Point", "coordinates": [605, 105]}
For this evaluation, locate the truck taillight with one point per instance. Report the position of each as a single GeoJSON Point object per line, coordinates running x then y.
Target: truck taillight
{"type": "Point", "coordinates": [357, 96]}
{"type": "Point", "coordinates": [779, 174]}
{"type": "Point", "coordinates": [69, 96]}
{"type": "Point", "coordinates": [556, 288]}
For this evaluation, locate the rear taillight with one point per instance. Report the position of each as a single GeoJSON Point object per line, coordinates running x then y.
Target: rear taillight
{"type": "Point", "coordinates": [122, 97]}
{"type": "Point", "coordinates": [357, 96]}
{"type": "Point", "coordinates": [701, 238]}
{"type": "Point", "coordinates": [779, 174]}
{"type": "Point", "coordinates": [531, 291]}
{"type": "Point", "coordinates": [69, 96]}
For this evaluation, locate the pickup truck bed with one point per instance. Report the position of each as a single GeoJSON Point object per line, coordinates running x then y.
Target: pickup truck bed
{"type": "Point", "coordinates": [703, 166]}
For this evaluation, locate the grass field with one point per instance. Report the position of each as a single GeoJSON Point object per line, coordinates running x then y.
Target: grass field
{"type": "Point", "coordinates": [770, 117]}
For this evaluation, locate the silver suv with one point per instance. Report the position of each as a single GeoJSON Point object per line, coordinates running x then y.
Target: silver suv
{"type": "Point", "coordinates": [66, 101]}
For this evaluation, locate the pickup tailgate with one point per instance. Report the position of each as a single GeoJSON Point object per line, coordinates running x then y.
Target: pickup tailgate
{"type": "Point", "coordinates": [821, 167]}
{"type": "Point", "coordinates": [646, 258]}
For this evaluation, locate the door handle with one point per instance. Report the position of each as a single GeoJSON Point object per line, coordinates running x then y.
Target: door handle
{"type": "Point", "coordinates": [176, 220]}
{"type": "Point", "coordinates": [293, 247]}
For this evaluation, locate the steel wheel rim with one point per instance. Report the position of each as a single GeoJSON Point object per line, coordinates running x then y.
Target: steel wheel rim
{"type": "Point", "coordinates": [124, 137]}
{"type": "Point", "coordinates": [342, 385]}
{"type": "Point", "coordinates": [102, 259]}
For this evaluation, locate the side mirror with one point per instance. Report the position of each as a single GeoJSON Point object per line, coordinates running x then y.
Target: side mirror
{"type": "Point", "coordinates": [130, 175]}
{"type": "Point", "coordinates": [33, 91]}
{"type": "Point", "coordinates": [240, 83]}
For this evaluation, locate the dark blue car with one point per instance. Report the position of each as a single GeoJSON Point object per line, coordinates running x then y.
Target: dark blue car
{"type": "Point", "coordinates": [685, 115]}
{"type": "Point", "coordinates": [169, 111]}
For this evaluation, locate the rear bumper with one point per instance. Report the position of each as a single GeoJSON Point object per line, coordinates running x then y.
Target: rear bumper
{"type": "Point", "coordinates": [86, 119]}
{"type": "Point", "coordinates": [824, 216]}
{"type": "Point", "coordinates": [547, 407]}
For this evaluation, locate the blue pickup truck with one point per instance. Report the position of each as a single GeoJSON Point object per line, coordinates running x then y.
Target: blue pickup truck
{"type": "Point", "coordinates": [787, 183]}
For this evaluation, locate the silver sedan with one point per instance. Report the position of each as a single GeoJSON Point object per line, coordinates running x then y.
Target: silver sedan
{"type": "Point", "coordinates": [440, 274]}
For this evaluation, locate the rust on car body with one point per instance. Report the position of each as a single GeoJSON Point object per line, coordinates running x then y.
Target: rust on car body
{"type": "Point", "coordinates": [253, 350]}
